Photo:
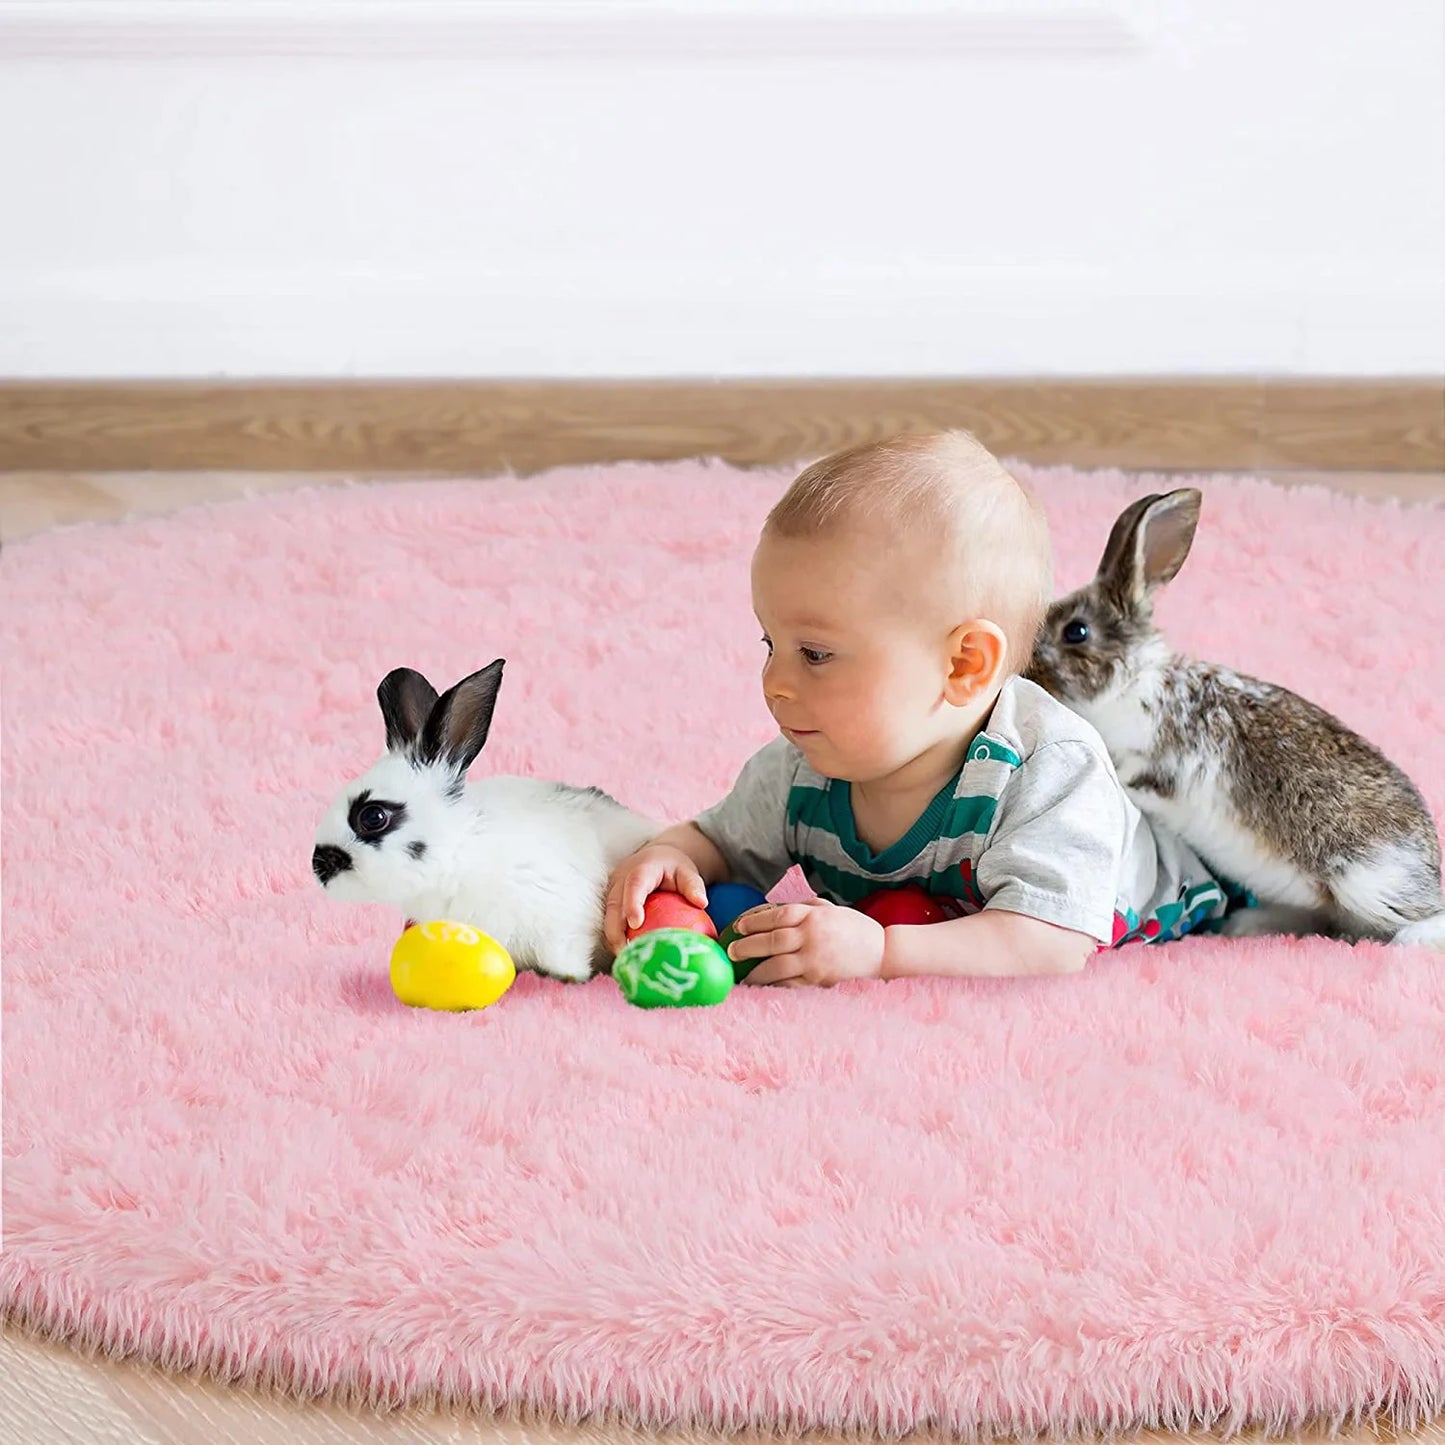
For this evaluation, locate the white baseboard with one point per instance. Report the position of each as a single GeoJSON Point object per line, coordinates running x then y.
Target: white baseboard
{"type": "Point", "coordinates": [945, 325]}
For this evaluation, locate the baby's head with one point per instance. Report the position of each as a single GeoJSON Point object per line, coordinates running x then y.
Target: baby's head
{"type": "Point", "coordinates": [899, 585]}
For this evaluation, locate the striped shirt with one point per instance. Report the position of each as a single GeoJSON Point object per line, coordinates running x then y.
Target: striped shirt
{"type": "Point", "coordinates": [1035, 821]}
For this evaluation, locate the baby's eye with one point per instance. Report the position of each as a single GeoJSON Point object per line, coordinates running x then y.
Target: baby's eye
{"type": "Point", "coordinates": [768, 644]}
{"type": "Point", "coordinates": [812, 656]}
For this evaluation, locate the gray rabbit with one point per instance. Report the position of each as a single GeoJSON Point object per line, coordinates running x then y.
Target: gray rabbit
{"type": "Point", "coordinates": [1271, 791]}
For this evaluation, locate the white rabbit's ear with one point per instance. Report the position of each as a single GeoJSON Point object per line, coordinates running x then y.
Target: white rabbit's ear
{"type": "Point", "coordinates": [407, 700]}
{"type": "Point", "coordinates": [458, 725]}
{"type": "Point", "coordinates": [1148, 545]}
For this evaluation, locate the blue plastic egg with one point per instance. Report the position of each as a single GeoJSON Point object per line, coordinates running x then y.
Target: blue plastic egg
{"type": "Point", "coordinates": [726, 900]}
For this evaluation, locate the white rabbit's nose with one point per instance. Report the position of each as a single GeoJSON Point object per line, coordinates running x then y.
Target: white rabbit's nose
{"type": "Point", "coordinates": [327, 860]}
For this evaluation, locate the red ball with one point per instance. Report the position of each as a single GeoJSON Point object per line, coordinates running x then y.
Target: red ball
{"type": "Point", "coordinates": [672, 910]}
{"type": "Point", "coordinates": [909, 904]}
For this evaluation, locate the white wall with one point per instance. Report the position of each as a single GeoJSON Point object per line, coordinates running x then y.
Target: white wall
{"type": "Point", "coordinates": [723, 187]}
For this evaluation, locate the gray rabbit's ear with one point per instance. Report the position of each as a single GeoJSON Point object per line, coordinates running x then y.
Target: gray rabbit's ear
{"type": "Point", "coordinates": [1148, 545]}
{"type": "Point", "coordinates": [407, 700]}
{"type": "Point", "coordinates": [457, 727]}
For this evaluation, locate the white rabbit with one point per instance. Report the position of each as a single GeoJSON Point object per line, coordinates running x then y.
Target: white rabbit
{"type": "Point", "coordinates": [1270, 790]}
{"type": "Point", "coordinates": [523, 860]}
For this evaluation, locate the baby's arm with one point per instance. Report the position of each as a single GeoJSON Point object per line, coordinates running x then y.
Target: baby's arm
{"type": "Point", "coordinates": [1050, 868]}
{"type": "Point", "coordinates": [688, 838]}
{"type": "Point", "coordinates": [818, 942]}
{"type": "Point", "coordinates": [1047, 874]}
{"type": "Point", "coordinates": [991, 944]}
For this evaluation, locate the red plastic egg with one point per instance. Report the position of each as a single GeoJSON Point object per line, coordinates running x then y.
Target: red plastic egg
{"type": "Point", "coordinates": [672, 910]}
{"type": "Point", "coordinates": [909, 904]}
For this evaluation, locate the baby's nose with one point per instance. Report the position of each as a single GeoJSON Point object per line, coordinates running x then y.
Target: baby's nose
{"type": "Point", "coordinates": [774, 685]}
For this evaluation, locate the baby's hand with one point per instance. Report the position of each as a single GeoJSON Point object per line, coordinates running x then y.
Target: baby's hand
{"type": "Point", "coordinates": [637, 878]}
{"type": "Point", "coordinates": [815, 942]}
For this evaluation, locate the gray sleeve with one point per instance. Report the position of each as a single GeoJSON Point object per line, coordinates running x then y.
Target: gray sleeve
{"type": "Point", "coordinates": [1057, 845]}
{"type": "Point", "coordinates": [749, 826]}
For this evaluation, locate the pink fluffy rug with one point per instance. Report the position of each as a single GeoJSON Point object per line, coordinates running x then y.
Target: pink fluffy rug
{"type": "Point", "coordinates": [1203, 1183]}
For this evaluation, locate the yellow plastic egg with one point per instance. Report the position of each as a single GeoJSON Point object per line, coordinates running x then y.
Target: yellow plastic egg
{"type": "Point", "coordinates": [450, 966]}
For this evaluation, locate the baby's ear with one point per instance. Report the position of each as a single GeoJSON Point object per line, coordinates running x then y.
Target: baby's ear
{"type": "Point", "coordinates": [406, 699]}
{"type": "Point", "coordinates": [978, 655]}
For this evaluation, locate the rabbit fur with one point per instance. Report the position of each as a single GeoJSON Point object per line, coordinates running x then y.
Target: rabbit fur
{"type": "Point", "coordinates": [1273, 792]}
{"type": "Point", "coordinates": [522, 859]}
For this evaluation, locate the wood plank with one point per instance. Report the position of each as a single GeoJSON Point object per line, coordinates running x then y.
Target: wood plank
{"type": "Point", "coordinates": [485, 427]}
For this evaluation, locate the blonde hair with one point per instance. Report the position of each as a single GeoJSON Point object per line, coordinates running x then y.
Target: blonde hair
{"type": "Point", "coordinates": [949, 493]}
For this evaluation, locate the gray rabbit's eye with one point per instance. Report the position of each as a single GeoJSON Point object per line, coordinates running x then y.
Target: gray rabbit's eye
{"type": "Point", "coordinates": [1076, 632]}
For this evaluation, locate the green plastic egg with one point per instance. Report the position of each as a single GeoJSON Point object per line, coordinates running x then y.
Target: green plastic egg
{"type": "Point", "coordinates": [673, 968]}
{"type": "Point", "coordinates": [741, 967]}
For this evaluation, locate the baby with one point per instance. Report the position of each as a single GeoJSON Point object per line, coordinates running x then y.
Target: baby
{"type": "Point", "coordinates": [900, 587]}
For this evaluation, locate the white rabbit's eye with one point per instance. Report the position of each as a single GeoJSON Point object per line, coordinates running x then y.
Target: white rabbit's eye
{"type": "Point", "coordinates": [1076, 632]}
{"type": "Point", "coordinates": [373, 818]}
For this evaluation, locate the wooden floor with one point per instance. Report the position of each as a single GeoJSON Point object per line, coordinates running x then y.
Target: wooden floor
{"type": "Point", "coordinates": [480, 428]}
{"type": "Point", "coordinates": [51, 1395]}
